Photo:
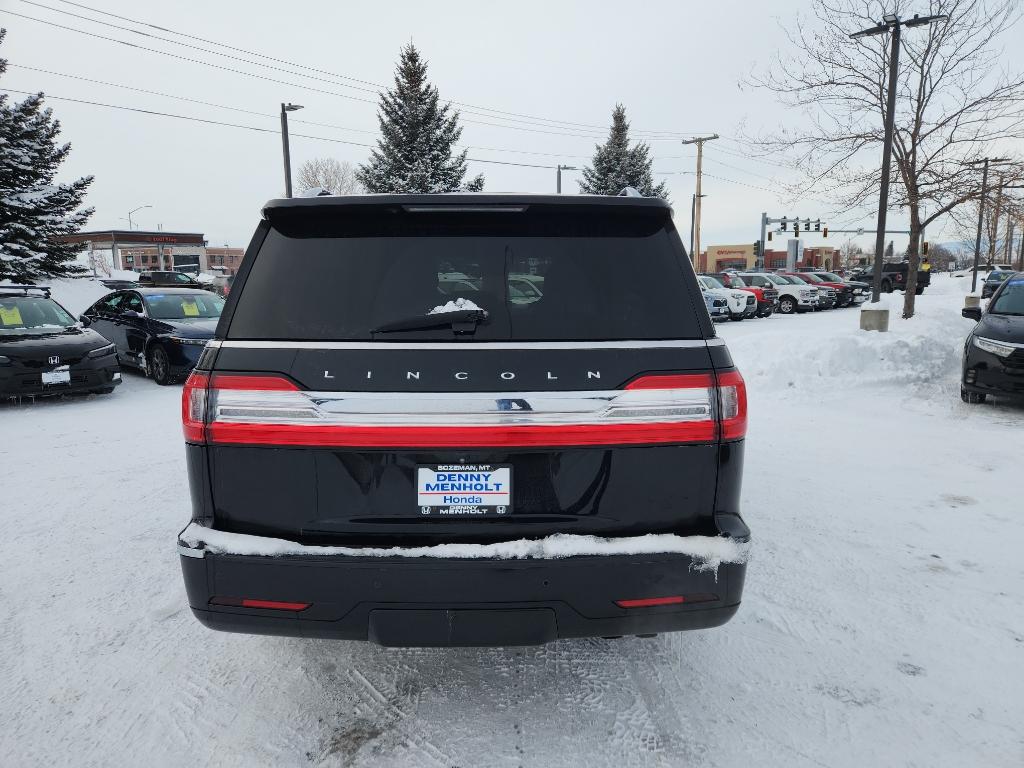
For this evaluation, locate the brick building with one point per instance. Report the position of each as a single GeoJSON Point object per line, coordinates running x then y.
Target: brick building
{"type": "Point", "coordinates": [225, 259]}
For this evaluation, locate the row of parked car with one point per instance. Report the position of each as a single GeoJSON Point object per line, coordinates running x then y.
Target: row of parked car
{"type": "Point", "coordinates": [44, 349]}
{"type": "Point", "coordinates": [735, 295]}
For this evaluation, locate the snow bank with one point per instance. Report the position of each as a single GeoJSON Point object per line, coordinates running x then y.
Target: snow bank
{"type": "Point", "coordinates": [708, 552]}
{"type": "Point", "coordinates": [926, 349]}
{"type": "Point", "coordinates": [454, 306]}
{"type": "Point", "coordinates": [76, 294]}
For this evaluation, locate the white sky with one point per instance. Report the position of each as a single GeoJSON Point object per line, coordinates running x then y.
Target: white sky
{"type": "Point", "coordinates": [674, 65]}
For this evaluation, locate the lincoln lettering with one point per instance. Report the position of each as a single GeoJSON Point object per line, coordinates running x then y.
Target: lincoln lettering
{"type": "Point", "coordinates": [465, 376]}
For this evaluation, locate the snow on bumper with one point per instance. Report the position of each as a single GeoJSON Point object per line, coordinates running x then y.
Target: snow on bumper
{"type": "Point", "coordinates": [510, 593]}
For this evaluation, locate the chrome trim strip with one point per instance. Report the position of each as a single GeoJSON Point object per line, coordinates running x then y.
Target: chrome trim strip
{"type": "Point", "coordinates": [636, 406]}
{"type": "Point", "coordinates": [473, 345]}
{"type": "Point", "coordinates": [189, 552]}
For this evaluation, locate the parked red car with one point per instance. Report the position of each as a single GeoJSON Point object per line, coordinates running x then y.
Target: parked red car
{"type": "Point", "coordinates": [767, 298]}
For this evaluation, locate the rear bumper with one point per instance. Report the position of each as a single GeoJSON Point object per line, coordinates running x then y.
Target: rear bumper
{"type": "Point", "coordinates": [423, 601]}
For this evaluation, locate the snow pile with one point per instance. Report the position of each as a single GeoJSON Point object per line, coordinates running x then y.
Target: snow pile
{"type": "Point", "coordinates": [708, 552]}
{"type": "Point", "coordinates": [75, 294]}
{"type": "Point", "coordinates": [926, 349]}
{"type": "Point", "coordinates": [454, 306]}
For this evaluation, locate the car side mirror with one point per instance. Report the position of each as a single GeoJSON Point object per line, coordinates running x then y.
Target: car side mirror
{"type": "Point", "coordinates": [972, 313]}
{"type": "Point", "coordinates": [130, 313]}
{"type": "Point", "coordinates": [85, 320]}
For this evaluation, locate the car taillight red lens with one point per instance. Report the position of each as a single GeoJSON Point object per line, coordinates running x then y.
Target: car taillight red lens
{"type": "Point", "coordinates": [193, 407]}
{"type": "Point", "coordinates": [732, 399]}
{"type": "Point", "coordinates": [248, 602]}
{"type": "Point", "coordinates": [656, 409]}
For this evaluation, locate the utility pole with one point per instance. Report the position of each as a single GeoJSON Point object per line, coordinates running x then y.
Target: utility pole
{"type": "Point", "coordinates": [981, 212]}
{"type": "Point", "coordinates": [995, 221]}
{"type": "Point", "coordinates": [890, 23]}
{"type": "Point", "coordinates": [285, 109]}
{"type": "Point", "coordinates": [1020, 254]}
{"type": "Point", "coordinates": [558, 183]}
{"type": "Point", "coordinates": [1009, 238]}
{"type": "Point", "coordinates": [699, 141]}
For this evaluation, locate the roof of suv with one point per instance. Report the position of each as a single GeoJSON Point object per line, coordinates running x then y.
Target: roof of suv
{"type": "Point", "coordinates": [468, 201]}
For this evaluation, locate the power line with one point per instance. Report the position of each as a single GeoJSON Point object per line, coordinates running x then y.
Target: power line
{"type": "Point", "coordinates": [251, 127]}
{"type": "Point", "coordinates": [375, 87]}
{"type": "Point", "coordinates": [267, 114]}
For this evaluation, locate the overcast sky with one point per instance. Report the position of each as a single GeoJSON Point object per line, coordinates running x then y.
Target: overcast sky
{"type": "Point", "coordinates": [675, 66]}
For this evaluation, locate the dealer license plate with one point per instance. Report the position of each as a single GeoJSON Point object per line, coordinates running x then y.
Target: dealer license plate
{"type": "Point", "coordinates": [61, 375]}
{"type": "Point", "coordinates": [464, 490]}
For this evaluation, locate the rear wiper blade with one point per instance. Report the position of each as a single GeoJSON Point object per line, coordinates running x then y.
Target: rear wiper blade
{"type": "Point", "coordinates": [460, 321]}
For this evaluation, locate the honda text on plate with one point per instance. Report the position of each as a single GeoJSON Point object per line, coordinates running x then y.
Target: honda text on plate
{"type": "Point", "coordinates": [457, 420]}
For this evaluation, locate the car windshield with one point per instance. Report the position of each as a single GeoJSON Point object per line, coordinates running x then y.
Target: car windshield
{"type": "Point", "coordinates": [537, 274]}
{"type": "Point", "coordinates": [184, 306]}
{"type": "Point", "coordinates": [776, 280]}
{"type": "Point", "coordinates": [32, 315]}
{"type": "Point", "coordinates": [735, 281]}
{"type": "Point", "coordinates": [809, 277]}
{"type": "Point", "coordinates": [711, 282]}
{"type": "Point", "coordinates": [1010, 300]}
{"type": "Point", "coordinates": [831, 277]}
{"type": "Point", "coordinates": [794, 280]}
{"type": "Point", "coordinates": [998, 277]}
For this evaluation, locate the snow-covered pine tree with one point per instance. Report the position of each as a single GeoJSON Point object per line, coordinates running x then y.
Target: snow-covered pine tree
{"type": "Point", "coordinates": [616, 165]}
{"type": "Point", "coordinates": [35, 212]}
{"type": "Point", "coordinates": [414, 154]}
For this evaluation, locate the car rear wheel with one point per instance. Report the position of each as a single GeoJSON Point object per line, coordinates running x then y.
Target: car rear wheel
{"type": "Point", "coordinates": [972, 397]}
{"type": "Point", "coordinates": [159, 365]}
{"type": "Point", "coordinates": [736, 317]}
{"type": "Point", "coordinates": [103, 391]}
{"type": "Point", "coordinates": [765, 313]}
{"type": "Point", "coordinates": [787, 305]}
{"type": "Point", "coordinates": [886, 286]}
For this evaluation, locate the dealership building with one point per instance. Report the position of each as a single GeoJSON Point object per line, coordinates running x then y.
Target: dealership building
{"type": "Point", "coordinates": [142, 251]}
{"type": "Point", "coordinates": [719, 258]}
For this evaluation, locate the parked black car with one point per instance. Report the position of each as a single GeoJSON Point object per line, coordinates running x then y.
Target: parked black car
{"type": "Point", "coordinates": [348, 402]}
{"type": "Point", "coordinates": [894, 277]}
{"type": "Point", "coordinates": [161, 331]}
{"type": "Point", "coordinates": [168, 279]}
{"type": "Point", "coordinates": [994, 352]}
{"type": "Point", "coordinates": [993, 281]}
{"type": "Point", "coordinates": [44, 351]}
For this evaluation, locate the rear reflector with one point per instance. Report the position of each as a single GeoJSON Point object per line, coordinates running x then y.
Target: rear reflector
{"type": "Point", "coordinates": [647, 602]}
{"type": "Point", "coordinates": [651, 602]}
{"type": "Point", "coordinates": [246, 602]}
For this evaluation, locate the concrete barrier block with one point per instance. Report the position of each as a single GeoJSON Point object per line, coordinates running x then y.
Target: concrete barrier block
{"type": "Point", "coordinates": [874, 319]}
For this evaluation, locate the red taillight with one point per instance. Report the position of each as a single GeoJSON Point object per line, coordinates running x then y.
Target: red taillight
{"type": "Point", "coordinates": [257, 383]}
{"type": "Point", "coordinates": [672, 381]}
{"type": "Point", "coordinates": [732, 399]}
{"type": "Point", "coordinates": [193, 407]}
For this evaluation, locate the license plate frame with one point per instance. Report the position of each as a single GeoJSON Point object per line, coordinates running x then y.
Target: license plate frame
{"type": "Point", "coordinates": [59, 375]}
{"type": "Point", "coordinates": [482, 490]}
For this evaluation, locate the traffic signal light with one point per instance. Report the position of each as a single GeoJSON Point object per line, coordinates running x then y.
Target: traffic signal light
{"type": "Point", "coordinates": [817, 225]}
{"type": "Point", "coordinates": [796, 228]}
{"type": "Point", "coordinates": [783, 223]}
{"type": "Point", "coordinates": [924, 248]}
{"type": "Point", "coordinates": [824, 232]}
{"type": "Point", "coordinates": [757, 249]}
{"type": "Point", "coordinates": [769, 235]}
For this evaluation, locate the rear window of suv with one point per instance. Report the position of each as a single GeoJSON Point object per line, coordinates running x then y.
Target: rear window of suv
{"type": "Point", "coordinates": [542, 275]}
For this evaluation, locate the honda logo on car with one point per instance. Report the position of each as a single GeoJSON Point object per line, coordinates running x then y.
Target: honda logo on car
{"type": "Point", "coordinates": [53, 360]}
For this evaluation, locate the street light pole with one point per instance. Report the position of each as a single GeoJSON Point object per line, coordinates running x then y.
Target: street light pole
{"type": "Point", "coordinates": [133, 210]}
{"type": "Point", "coordinates": [285, 109]}
{"type": "Point", "coordinates": [890, 23]}
{"type": "Point", "coordinates": [558, 182]}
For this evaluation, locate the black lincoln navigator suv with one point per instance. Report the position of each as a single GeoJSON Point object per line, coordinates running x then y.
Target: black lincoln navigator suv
{"type": "Point", "coordinates": [464, 420]}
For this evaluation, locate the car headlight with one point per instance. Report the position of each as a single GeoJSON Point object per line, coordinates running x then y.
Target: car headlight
{"type": "Point", "coordinates": [4, 360]}
{"type": "Point", "coordinates": [995, 347]}
{"type": "Point", "coordinates": [109, 349]}
{"type": "Point", "coordinates": [805, 294]}
{"type": "Point", "coordinates": [738, 295]}
{"type": "Point", "coordinates": [189, 342]}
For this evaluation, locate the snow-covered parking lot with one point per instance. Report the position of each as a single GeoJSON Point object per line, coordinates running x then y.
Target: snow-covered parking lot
{"type": "Point", "coordinates": [883, 621]}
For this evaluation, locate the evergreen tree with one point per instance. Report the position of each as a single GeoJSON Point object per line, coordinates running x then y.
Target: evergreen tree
{"type": "Point", "coordinates": [617, 166]}
{"type": "Point", "coordinates": [414, 154]}
{"type": "Point", "coordinates": [34, 211]}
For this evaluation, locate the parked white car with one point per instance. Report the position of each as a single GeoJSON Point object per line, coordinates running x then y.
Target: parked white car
{"type": "Point", "coordinates": [792, 298]}
{"type": "Point", "coordinates": [735, 300]}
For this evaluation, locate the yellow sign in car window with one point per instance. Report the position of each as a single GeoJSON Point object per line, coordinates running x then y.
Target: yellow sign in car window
{"type": "Point", "coordinates": [190, 308]}
{"type": "Point", "coordinates": [10, 316]}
